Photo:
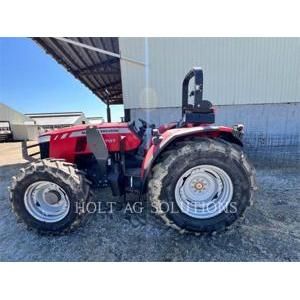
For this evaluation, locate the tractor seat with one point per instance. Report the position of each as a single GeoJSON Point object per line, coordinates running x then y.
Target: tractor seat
{"type": "Point", "coordinates": [205, 107]}
{"type": "Point", "coordinates": [202, 114]}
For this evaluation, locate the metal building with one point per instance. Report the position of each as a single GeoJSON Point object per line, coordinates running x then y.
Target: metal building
{"type": "Point", "coordinates": [95, 120]}
{"type": "Point", "coordinates": [49, 121]}
{"type": "Point", "coordinates": [254, 81]}
{"type": "Point", "coordinates": [251, 80]}
{"type": "Point", "coordinates": [22, 127]}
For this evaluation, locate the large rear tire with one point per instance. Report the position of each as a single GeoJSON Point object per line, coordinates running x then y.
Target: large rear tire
{"type": "Point", "coordinates": [50, 196]}
{"type": "Point", "coordinates": [201, 186]}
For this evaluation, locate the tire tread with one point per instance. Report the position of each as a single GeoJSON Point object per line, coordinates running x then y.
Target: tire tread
{"type": "Point", "coordinates": [160, 170]}
{"type": "Point", "coordinates": [69, 174]}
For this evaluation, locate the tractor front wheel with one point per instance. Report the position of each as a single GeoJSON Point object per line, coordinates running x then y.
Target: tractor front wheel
{"type": "Point", "coordinates": [50, 196]}
{"type": "Point", "coordinates": [201, 186]}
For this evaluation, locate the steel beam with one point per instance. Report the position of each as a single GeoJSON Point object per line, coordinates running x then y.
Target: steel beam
{"type": "Point", "coordinates": [82, 45]}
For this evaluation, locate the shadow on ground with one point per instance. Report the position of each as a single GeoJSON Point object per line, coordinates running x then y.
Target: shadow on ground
{"type": "Point", "coordinates": [269, 232]}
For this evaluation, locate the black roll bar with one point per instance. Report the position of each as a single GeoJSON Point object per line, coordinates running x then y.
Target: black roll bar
{"type": "Point", "coordinates": [197, 73]}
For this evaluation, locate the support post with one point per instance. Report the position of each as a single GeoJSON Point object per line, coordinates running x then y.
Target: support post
{"type": "Point", "coordinates": [108, 111]}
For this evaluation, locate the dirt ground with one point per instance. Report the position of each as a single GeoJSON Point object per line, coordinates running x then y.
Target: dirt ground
{"type": "Point", "coordinates": [269, 232]}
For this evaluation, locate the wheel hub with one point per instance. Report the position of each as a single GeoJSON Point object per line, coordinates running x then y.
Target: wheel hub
{"type": "Point", "coordinates": [52, 197]}
{"type": "Point", "coordinates": [46, 201]}
{"type": "Point", "coordinates": [199, 186]}
{"type": "Point", "coordinates": [203, 191]}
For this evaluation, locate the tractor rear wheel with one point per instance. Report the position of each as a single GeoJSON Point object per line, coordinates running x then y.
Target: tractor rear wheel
{"type": "Point", "coordinates": [50, 196]}
{"type": "Point", "coordinates": [201, 186]}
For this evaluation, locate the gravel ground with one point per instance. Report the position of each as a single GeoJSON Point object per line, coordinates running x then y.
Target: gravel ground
{"type": "Point", "coordinates": [269, 232]}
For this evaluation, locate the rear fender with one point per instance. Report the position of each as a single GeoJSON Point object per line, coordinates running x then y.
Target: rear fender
{"type": "Point", "coordinates": [174, 135]}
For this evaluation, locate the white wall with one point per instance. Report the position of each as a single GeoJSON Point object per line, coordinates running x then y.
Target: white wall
{"type": "Point", "coordinates": [23, 132]}
{"type": "Point", "coordinates": [9, 114]}
{"type": "Point", "coordinates": [21, 125]}
{"type": "Point", "coordinates": [236, 70]}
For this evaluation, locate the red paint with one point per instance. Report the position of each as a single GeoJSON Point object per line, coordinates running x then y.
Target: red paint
{"type": "Point", "coordinates": [170, 135]}
{"type": "Point", "coordinates": [63, 145]}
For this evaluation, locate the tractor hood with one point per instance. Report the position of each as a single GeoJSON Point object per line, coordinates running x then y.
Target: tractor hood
{"type": "Point", "coordinates": [69, 143]}
{"type": "Point", "coordinates": [46, 136]}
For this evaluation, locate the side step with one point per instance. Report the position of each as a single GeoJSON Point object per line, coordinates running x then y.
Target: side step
{"type": "Point", "coordinates": [133, 180]}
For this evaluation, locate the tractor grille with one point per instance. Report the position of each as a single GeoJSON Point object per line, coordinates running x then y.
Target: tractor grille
{"type": "Point", "coordinates": [44, 150]}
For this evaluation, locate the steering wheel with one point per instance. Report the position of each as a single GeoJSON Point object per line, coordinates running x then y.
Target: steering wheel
{"type": "Point", "coordinates": [144, 123]}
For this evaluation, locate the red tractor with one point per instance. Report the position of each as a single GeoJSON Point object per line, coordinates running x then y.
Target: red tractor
{"type": "Point", "coordinates": [195, 174]}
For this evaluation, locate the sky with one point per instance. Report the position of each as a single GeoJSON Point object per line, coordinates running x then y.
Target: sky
{"type": "Point", "coordinates": [32, 81]}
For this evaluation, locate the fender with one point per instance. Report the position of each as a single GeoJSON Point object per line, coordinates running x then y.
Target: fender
{"type": "Point", "coordinates": [168, 137]}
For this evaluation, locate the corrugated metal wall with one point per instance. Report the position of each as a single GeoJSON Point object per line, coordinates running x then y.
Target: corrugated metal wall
{"type": "Point", "coordinates": [236, 70]}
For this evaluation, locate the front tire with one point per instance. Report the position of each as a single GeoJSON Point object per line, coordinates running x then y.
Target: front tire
{"type": "Point", "coordinates": [201, 186]}
{"type": "Point", "coordinates": [50, 196]}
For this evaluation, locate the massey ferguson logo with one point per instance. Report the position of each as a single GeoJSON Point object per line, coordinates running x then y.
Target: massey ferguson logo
{"type": "Point", "coordinates": [110, 141]}
{"type": "Point", "coordinates": [108, 130]}
{"type": "Point", "coordinates": [102, 131]}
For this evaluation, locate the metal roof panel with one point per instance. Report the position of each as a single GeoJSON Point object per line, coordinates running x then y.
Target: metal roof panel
{"type": "Point", "coordinates": [99, 72]}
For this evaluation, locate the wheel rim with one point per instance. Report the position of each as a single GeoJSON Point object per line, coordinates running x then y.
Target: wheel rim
{"type": "Point", "coordinates": [46, 201]}
{"type": "Point", "coordinates": [204, 191]}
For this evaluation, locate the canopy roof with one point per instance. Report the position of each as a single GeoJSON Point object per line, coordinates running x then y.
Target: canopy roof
{"type": "Point", "coordinates": [100, 72]}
